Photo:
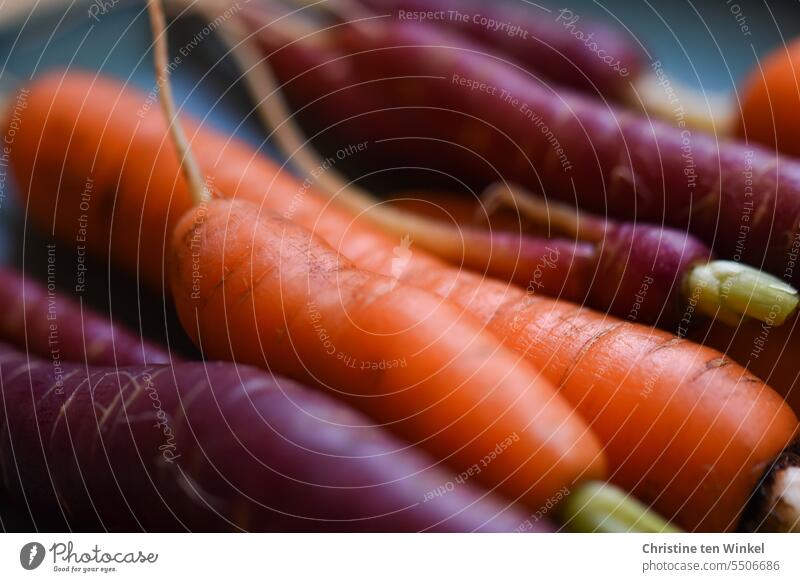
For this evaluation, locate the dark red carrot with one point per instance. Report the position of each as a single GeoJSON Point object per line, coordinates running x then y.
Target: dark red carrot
{"type": "Point", "coordinates": [215, 447]}
{"type": "Point", "coordinates": [558, 45]}
{"type": "Point", "coordinates": [643, 272]}
{"type": "Point", "coordinates": [638, 271]}
{"type": "Point", "coordinates": [42, 321]}
{"type": "Point", "coordinates": [444, 104]}
{"type": "Point", "coordinates": [564, 48]}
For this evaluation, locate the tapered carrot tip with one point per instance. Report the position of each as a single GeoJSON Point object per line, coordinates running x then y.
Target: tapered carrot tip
{"type": "Point", "coordinates": [729, 291]}
{"type": "Point", "coordinates": [601, 507]}
{"type": "Point", "coordinates": [775, 506]}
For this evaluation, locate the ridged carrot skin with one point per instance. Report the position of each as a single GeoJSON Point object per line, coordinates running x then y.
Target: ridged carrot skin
{"type": "Point", "coordinates": [769, 352]}
{"type": "Point", "coordinates": [766, 350]}
{"type": "Point", "coordinates": [559, 336]}
{"type": "Point", "coordinates": [214, 447]}
{"type": "Point", "coordinates": [254, 288]}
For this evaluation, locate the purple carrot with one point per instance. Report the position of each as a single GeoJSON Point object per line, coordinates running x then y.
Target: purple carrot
{"type": "Point", "coordinates": [462, 110]}
{"type": "Point", "coordinates": [637, 271]}
{"type": "Point", "coordinates": [215, 447]}
{"type": "Point", "coordinates": [561, 47]}
{"type": "Point", "coordinates": [556, 45]}
{"type": "Point", "coordinates": [41, 320]}
{"type": "Point", "coordinates": [646, 273]}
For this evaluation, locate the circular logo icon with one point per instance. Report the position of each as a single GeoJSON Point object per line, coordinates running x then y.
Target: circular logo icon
{"type": "Point", "coordinates": [31, 555]}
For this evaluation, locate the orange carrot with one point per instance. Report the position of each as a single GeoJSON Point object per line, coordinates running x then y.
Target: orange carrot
{"type": "Point", "coordinates": [770, 101]}
{"type": "Point", "coordinates": [258, 289]}
{"type": "Point", "coordinates": [685, 429]}
{"type": "Point", "coordinates": [78, 127]}
{"type": "Point", "coordinates": [415, 362]}
{"type": "Point", "coordinates": [767, 351]}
